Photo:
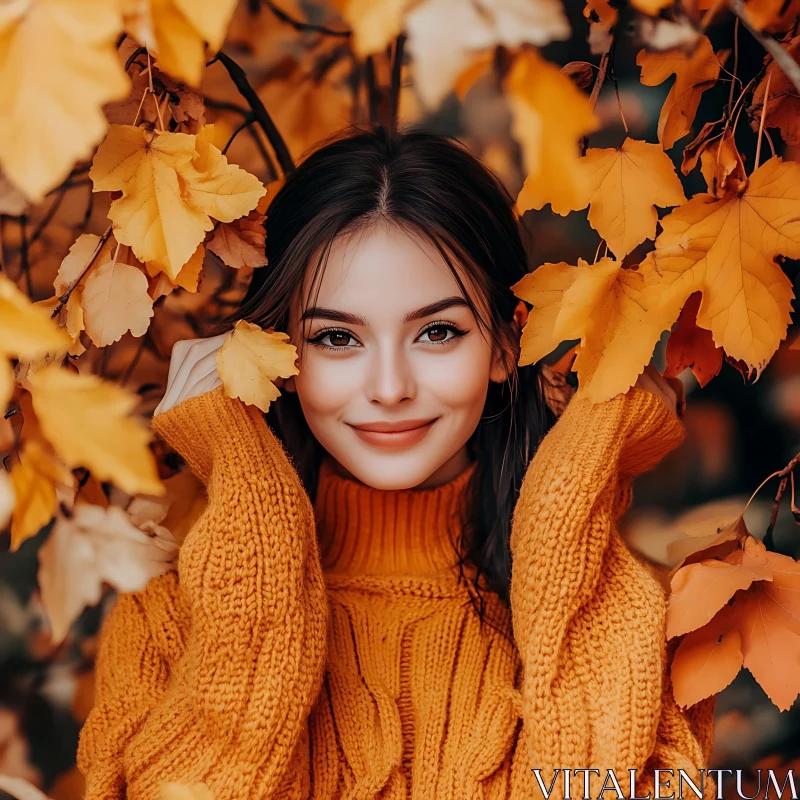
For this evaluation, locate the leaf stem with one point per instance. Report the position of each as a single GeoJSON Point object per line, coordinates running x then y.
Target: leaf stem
{"type": "Point", "coordinates": [761, 124]}
{"type": "Point", "coordinates": [790, 68]}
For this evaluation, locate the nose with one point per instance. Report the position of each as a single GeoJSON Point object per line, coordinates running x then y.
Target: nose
{"type": "Point", "coordinates": [391, 377]}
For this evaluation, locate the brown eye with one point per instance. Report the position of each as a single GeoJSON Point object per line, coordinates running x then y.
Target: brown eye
{"type": "Point", "coordinates": [437, 334]}
{"type": "Point", "coordinates": [337, 338]}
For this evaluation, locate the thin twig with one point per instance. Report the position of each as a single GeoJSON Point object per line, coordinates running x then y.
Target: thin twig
{"type": "Point", "coordinates": [599, 80]}
{"type": "Point", "coordinates": [65, 297]}
{"type": "Point", "coordinates": [784, 475]}
{"type": "Point", "coordinates": [51, 212]}
{"type": "Point", "coordinates": [248, 120]}
{"type": "Point", "coordinates": [271, 168]}
{"type": "Point", "coordinates": [23, 253]}
{"type": "Point", "coordinates": [397, 72]}
{"type": "Point", "coordinates": [790, 68]}
{"type": "Point", "coordinates": [761, 124]}
{"type": "Point", "coordinates": [735, 63]}
{"type": "Point", "coordinates": [768, 541]}
{"type": "Point", "coordinates": [302, 26]}
{"type": "Point", "coordinates": [135, 360]}
{"type": "Point", "coordinates": [239, 78]}
{"type": "Point", "coordinates": [133, 56]}
{"type": "Point", "coordinates": [619, 107]}
{"type": "Point", "coordinates": [372, 89]}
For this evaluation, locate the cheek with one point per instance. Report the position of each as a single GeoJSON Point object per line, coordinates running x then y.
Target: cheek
{"type": "Point", "coordinates": [459, 379]}
{"type": "Point", "coordinates": [324, 385]}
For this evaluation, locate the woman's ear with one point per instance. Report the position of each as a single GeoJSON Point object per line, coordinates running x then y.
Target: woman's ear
{"type": "Point", "coordinates": [507, 353]}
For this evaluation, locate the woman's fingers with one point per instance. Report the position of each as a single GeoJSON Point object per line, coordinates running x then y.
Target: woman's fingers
{"type": "Point", "coordinates": [192, 361]}
{"type": "Point", "coordinates": [186, 354]}
{"type": "Point", "coordinates": [653, 381]}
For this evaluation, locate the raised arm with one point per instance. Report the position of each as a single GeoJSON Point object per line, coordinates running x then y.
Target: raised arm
{"type": "Point", "coordinates": [588, 614]}
{"type": "Point", "coordinates": [253, 596]}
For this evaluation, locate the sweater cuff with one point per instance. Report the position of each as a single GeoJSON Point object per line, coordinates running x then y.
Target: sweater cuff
{"type": "Point", "coordinates": [211, 430]}
{"type": "Point", "coordinates": [651, 431]}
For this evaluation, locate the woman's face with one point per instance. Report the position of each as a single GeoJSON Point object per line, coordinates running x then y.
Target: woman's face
{"type": "Point", "coordinates": [392, 345]}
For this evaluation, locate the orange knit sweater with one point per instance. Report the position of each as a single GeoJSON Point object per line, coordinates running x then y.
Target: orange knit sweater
{"type": "Point", "coordinates": [331, 652]}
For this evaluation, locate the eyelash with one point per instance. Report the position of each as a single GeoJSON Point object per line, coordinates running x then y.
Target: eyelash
{"type": "Point", "coordinates": [317, 339]}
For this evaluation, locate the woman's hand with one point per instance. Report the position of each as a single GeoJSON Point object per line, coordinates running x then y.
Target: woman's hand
{"type": "Point", "coordinates": [192, 370]}
{"type": "Point", "coordinates": [670, 390]}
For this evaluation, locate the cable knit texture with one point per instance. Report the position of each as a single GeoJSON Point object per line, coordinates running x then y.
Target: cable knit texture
{"type": "Point", "coordinates": [333, 652]}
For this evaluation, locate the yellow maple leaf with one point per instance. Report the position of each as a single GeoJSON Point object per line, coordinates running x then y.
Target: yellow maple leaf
{"type": "Point", "coordinates": [26, 333]}
{"type": "Point", "coordinates": [26, 330]}
{"type": "Point", "coordinates": [625, 186]}
{"type": "Point", "coordinates": [87, 421]}
{"type": "Point", "coordinates": [34, 479]}
{"type": "Point", "coordinates": [176, 31]}
{"type": "Point", "coordinates": [446, 36]}
{"type": "Point", "coordinates": [693, 75]}
{"type": "Point", "coordinates": [52, 51]}
{"type": "Point", "coordinates": [549, 116]}
{"type": "Point", "coordinates": [614, 312]}
{"type": "Point", "coordinates": [726, 249]}
{"type": "Point", "coordinates": [171, 184]}
{"type": "Point", "coordinates": [251, 359]}
{"type": "Point", "coordinates": [374, 23]}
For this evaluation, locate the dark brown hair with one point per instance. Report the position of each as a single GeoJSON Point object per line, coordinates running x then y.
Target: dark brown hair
{"type": "Point", "coordinates": [433, 186]}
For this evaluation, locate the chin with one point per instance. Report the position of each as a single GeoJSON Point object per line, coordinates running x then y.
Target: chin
{"type": "Point", "coordinates": [389, 473]}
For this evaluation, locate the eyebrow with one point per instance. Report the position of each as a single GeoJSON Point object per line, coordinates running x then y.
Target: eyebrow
{"type": "Point", "coordinates": [354, 319]}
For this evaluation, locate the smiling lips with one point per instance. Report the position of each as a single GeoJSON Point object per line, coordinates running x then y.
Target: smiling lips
{"type": "Point", "coordinates": [394, 434]}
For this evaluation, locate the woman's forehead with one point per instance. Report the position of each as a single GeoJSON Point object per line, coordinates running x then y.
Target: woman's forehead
{"type": "Point", "coordinates": [383, 270]}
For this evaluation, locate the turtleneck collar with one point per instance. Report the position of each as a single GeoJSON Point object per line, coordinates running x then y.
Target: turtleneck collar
{"type": "Point", "coordinates": [367, 531]}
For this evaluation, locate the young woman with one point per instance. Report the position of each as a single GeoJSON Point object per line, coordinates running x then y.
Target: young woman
{"type": "Point", "coordinates": [399, 587]}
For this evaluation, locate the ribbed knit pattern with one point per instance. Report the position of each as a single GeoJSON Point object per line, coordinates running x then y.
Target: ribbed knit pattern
{"type": "Point", "coordinates": [332, 652]}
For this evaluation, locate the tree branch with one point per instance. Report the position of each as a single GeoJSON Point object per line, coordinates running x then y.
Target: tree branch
{"type": "Point", "coordinates": [302, 26]}
{"type": "Point", "coordinates": [785, 474]}
{"type": "Point", "coordinates": [98, 247]}
{"type": "Point", "coordinates": [262, 117]}
{"type": "Point", "coordinates": [397, 73]}
{"type": "Point", "coordinates": [790, 68]}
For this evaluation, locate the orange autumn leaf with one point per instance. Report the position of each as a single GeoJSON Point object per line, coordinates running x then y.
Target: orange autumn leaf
{"type": "Point", "coordinates": [774, 15]}
{"type": "Point", "coordinates": [625, 186]}
{"type": "Point", "coordinates": [707, 660]}
{"type": "Point", "coordinates": [759, 629]}
{"type": "Point", "coordinates": [651, 7]}
{"type": "Point", "coordinates": [691, 347]}
{"type": "Point", "coordinates": [783, 104]}
{"type": "Point", "coordinates": [549, 116]}
{"type": "Point", "coordinates": [35, 478]}
{"type": "Point", "coordinates": [726, 248]}
{"type": "Point", "coordinates": [700, 590]}
{"type": "Point", "coordinates": [693, 75]}
{"type": "Point", "coordinates": [613, 311]}
{"type": "Point", "coordinates": [176, 31]}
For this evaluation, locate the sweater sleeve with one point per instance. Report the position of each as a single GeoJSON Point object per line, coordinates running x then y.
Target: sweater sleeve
{"type": "Point", "coordinates": [130, 677]}
{"type": "Point", "coordinates": [588, 614]}
{"type": "Point", "coordinates": [252, 591]}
